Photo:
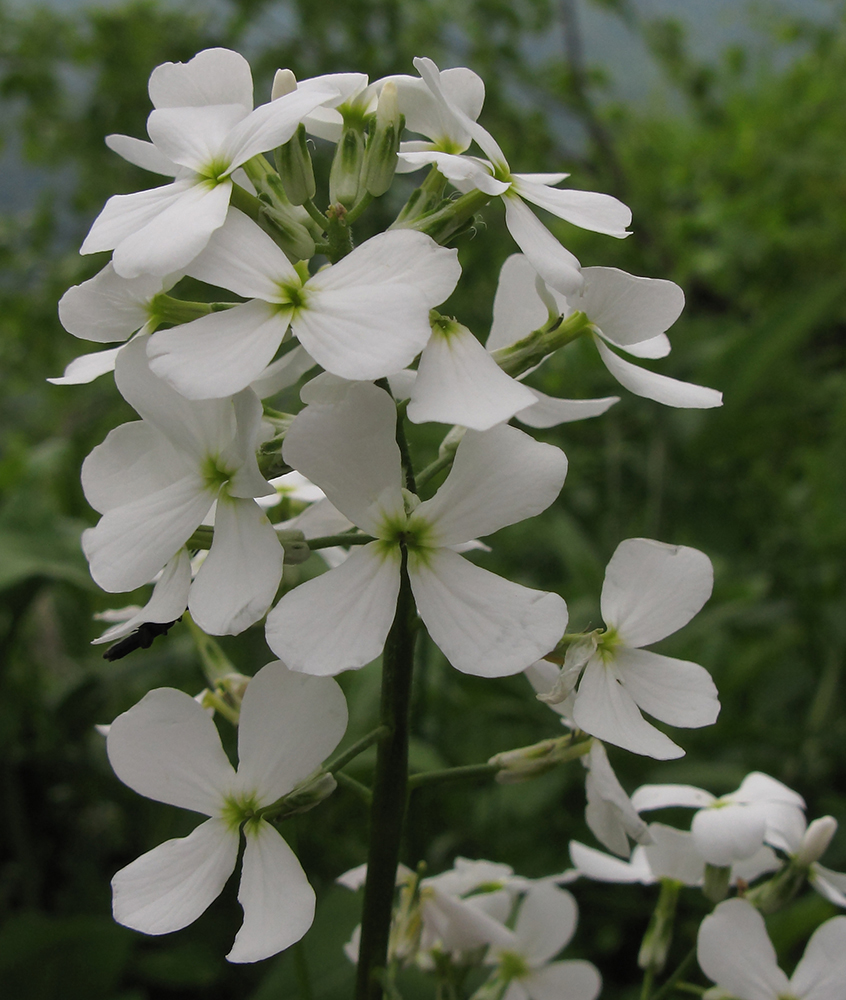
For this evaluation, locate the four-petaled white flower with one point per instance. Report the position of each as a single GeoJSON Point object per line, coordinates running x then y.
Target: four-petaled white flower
{"type": "Point", "coordinates": [545, 923]}
{"type": "Point", "coordinates": [650, 590]}
{"type": "Point", "coordinates": [363, 318]}
{"type": "Point", "coordinates": [735, 951]}
{"type": "Point", "coordinates": [484, 625]}
{"type": "Point", "coordinates": [734, 826]}
{"type": "Point", "coordinates": [155, 481]}
{"type": "Point", "coordinates": [167, 748]}
{"type": "Point", "coordinates": [598, 212]}
{"type": "Point", "coordinates": [203, 128]}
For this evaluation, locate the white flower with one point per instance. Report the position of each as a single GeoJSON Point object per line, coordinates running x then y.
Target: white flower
{"type": "Point", "coordinates": [650, 590]}
{"type": "Point", "coordinates": [168, 749]}
{"type": "Point", "coordinates": [598, 212]}
{"type": "Point", "coordinates": [734, 826]}
{"type": "Point", "coordinates": [625, 311]}
{"type": "Point", "coordinates": [670, 854]}
{"type": "Point", "coordinates": [609, 813]}
{"type": "Point", "coordinates": [545, 923]}
{"type": "Point", "coordinates": [735, 952]}
{"type": "Point", "coordinates": [155, 481]}
{"type": "Point", "coordinates": [806, 847]}
{"type": "Point", "coordinates": [363, 318]}
{"type": "Point", "coordinates": [203, 128]}
{"type": "Point", "coordinates": [484, 625]}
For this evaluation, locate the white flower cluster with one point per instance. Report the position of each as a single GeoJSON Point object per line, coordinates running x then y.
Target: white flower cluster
{"type": "Point", "coordinates": [195, 472]}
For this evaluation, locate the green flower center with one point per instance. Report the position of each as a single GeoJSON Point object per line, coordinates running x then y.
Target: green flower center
{"type": "Point", "coordinates": [512, 966]}
{"type": "Point", "coordinates": [241, 809]}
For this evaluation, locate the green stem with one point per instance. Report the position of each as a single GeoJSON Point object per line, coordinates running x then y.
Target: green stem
{"type": "Point", "coordinates": [357, 210]}
{"type": "Point", "coordinates": [303, 977]}
{"type": "Point", "coordinates": [684, 965]}
{"type": "Point", "coordinates": [452, 774]}
{"type": "Point", "coordinates": [358, 747]}
{"type": "Point", "coordinates": [646, 985]}
{"type": "Point", "coordinates": [356, 787]}
{"type": "Point", "coordinates": [431, 470]}
{"type": "Point", "coordinates": [389, 795]}
{"type": "Point", "coordinates": [316, 214]}
{"type": "Point", "coordinates": [245, 202]}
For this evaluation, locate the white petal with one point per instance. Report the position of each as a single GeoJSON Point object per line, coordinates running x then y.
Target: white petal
{"type": "Point", "coordinates": [728, 833]}
{"type": "Point", "coordinates": [400, 258]}
{"type": "Point", "coordinates": [603, 867]}
{"type": "Point", "coordinates": [198, 429]}
{"type": "Point", "coordinates": [167, 603]}
{"type": "Point", "coordinates": [734, 950]}
{"type": "Point", "coordinates": [350, 452]}
{"type": "Point", "coordinates": [174, 236]}
{"type": "Point", "coordinates": [831, 885]}
{"type": "Point", "coordinates": [610, 814]}
{"type": "Point", "coordinates": [195, 137]}
{"type": "Point", "coordinates": [571, 980]}
{"type": "Point", "coordinates": [125, 214]}
{"type": "Point", "coordinates": [134, 461]}
{"type": "Point", "coordinates": [458, 925]}
{"type": "Point", "coordinates": [427, 116]}
{"type": "Point", "coordinates": [600, 213]}
{"type": "Point", "coordinates": [759, 787]}
{"type": "Point", "coordinates": [483, 624]}
{"type": "Point", "coordinates": [674, 854]}
{"type": "Point", "coordinates": [364, 333]}
{"type": "Point", "coordinates": [604, 708]}
{"type": "Point", "coordinates": [762, 861]}
{"type": "Point", "coordinates": [550, 412]}
{"type": "Point", "coordinates": [657, 347]}
{"type": "Point", "coordinates": [87, 367]}
{"type": "Point", "coordinates": [289, 725]}
{"type": "Point", "coordinates": [662, 796]}
{"type": "Point", "coordinates": [246, 481]}
{"type": "Point", "coordinates": [277, 900]}
{"type": "Point", "coordinates": [499, 476]}
{"type": "Point", "coordinates": [143, 154]}
{"type": "Point", "coordinates": [107, 307]}
{"type": "Point", "coordinates": [465, 172]}
{"type": "Point", "coordinates": [132, 543]}
{"type": "Point", "coordinates": [677, 692]}
{"type": "Point", "coordinates": [458, 382]}
{"type": "Point", "coordinates": [219, 354]}
{"type": "Point", "coordinates": [167, 748]}
{"type": "Point", "coordinates": [237, 582]}
{"type": "Point", "coordinates": [283, 372]}
{"type": "Point", "coordinates": [661, 388]}
{"type": "Point", "coordinates": [273, 124]}
{"type": "Point", "coordinates": [340, 620]}
{"type": "Point", "coordinates": [627, 309]}
{"type": "Point", "coordinates": [213, 76]}
{"type": "Point", "coordinates": [545, 923]}
{"type": "Point", "coordinates": [517, 308]}
{"type": "Point", "coordinates": [556, 265]}
{"type": "Point", "coordinates": [652, 589]}
{"type": "Point", "coordinates": [170, 886]}
{"type": "Point", "coordinates": [821, 972]}
{"type": "Point", "coordinates": [240, 256]}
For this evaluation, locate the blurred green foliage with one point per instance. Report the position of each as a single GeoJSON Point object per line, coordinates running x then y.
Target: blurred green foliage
{"type": "Point", "coordinates": [739, 195]}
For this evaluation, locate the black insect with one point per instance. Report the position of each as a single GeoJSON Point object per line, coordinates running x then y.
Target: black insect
{"type": "Point", "coordinates": [141, 638]}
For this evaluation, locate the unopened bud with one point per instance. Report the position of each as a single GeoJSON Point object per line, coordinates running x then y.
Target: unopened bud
{"type": "Point", "coordinates": [816, 840]}
{"type": "Point", "coordinates": [529, 762]}
{"type": "Point", "coordinates": [293, 161]}
{"type": "Point", "coordinates": [295, 546]}
{"type": "Point", "coordinates": [380, 158]}
{"type": "Point", "coordinates": [291, 235]}
{"type": "Point", "coordinates": [305, 796]}
{"type": "Point", "coordinates": [716, 883]}
{"type": "Point", "coordinates": [345, 175]}
{"type": "Point", "coordinates": [284, 82]}
{"type": "Point", "coordinates": [659, 934]}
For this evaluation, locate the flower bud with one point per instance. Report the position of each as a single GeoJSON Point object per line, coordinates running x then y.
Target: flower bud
{"type": "Point", "coordinates": [716, 884]}
{"type": "Point", "coordinates": [307, 794]}
{"type": "Point", "coordinates": [284, 82]}
{"type": "Point", "coordinates": [529, 762]}
{"type": "Point", "coordinates": [380, 157]}
{"type": "Point", "coordinates": [816, 840]}
{"type": "Point", "coordinates": [295, 546]}
{"type": "Point", "coordinates": [293, 161]}
{"type": "Point", "coordinates": [345, 174]}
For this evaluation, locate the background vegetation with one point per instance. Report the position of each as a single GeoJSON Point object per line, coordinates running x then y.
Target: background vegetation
{"type": "Point", "coordinates": [737, 180]}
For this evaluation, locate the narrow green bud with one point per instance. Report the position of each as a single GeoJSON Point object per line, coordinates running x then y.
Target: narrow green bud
{"type": "Point", "coordinates": [529, 762]}
{"type": "Point", "coordinates": [293, 161]}
{"type": "Point", "coordinates": [659, 934]}
{"type": "Point", "coordinates": [716, 883]}
{"type": "Point", "coordinates": [380, 157]}
{"type": "Point", "coordinates": [345, 175]}
{"type": "Point", "coordinates": [292, 236]}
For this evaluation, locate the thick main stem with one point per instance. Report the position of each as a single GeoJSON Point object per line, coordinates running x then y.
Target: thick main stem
{"type": "Point", "coordinates": [389, 797]}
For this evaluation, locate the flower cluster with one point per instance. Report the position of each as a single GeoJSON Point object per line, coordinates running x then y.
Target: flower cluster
{"type": "Point", "coordinates": [189, 500]}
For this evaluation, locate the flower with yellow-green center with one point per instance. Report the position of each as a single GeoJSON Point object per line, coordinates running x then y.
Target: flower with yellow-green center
{"type": "Point", "coordinates": [167, 748]}
{"type": "Point", "coordinates": [483, 624]}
